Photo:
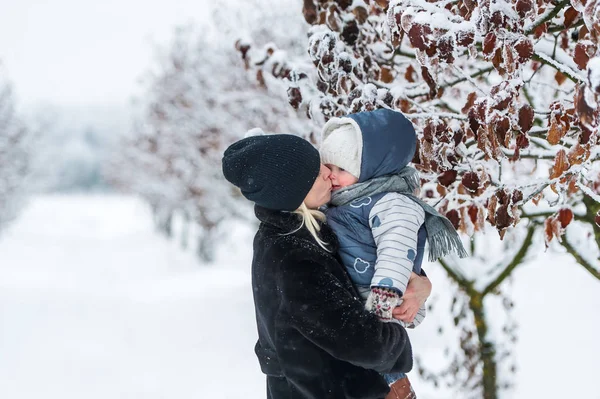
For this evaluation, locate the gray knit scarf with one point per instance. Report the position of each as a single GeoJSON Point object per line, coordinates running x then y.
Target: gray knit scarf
{"type": "Point", "coordinates": [441, 235]}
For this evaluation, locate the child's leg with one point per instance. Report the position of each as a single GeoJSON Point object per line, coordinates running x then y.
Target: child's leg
{"type": "Point", "coordinates": [401, 389]}
{"type": "Point", "coordinates": [393, 377]}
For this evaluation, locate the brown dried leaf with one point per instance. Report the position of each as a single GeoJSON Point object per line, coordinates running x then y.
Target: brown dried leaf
{"type": "Point", "coordinates": [350, 32]}
{"type": "Point", "coordinates": [548, 233]}
{"type": "Point", "coordinates": [524, 49]}
{"type": "Point", "coordinates": [309, 10]}
{"type": "Point", "coordinates": [555, 133]}
{"type": "Point", "coordinates": [489, 43]}
{"type": "Point", "coordinates": [503, 217]}
{"type": "Point", "coordinates": [430, 82]}
{"type": "Point", "coordinates": [454, 218]}
{"type": "Point", "coordinates": [445, 46]}
{"type": "Point", "coordinates": [361, 14]}
{"type": "Point", "coordinates": [410, 74]}
{"type": "Point", "coordinates": [561, 164]}
{"type": "Point", "coordinates": [483, 142]}
{"type": "Point", "coordinates": [517, 196]}
{"type": "Point", "coordinates": [578, 154]}
{"type": "Point", "coordinates": [587, 115]}
{"type": "Point", "coordinates": [419, 36]}
{"type": "Point", "coordinates": [565, 216]}
{"type": "Point", "coordinates": [536, 199]}
{"type": "Point", "coordinates": [501, 127]}
{"type": "Point", "coordinates": [497, 61]}
{"type": "Point", "coordinates": [294, 97]}
{"type": "Point", "coordinates": [526, 116]}
{"type": "Point", "coordinates": [509, 58]}
{"type": "Point", "coordinates": [570, 16]}
{"type": "Point", "coordinates": [572, 187]}
{"type": "Point", "coordinates": [333, 21]}
{"type": "Point", "coordinates": [441, 190]}
{"type": "Point", "coordinates": [386, 75]}
{"type": "Point", "coordinates": [474, 214]}
{"type": "Point", "coordinates": [322, 18]}
{"type": "Point", "coordinates": [581, 56]}
{"type": "Point", "coordinates": [560, 77]}
{"type": "Point", "coordinates": [523, 7]}
{"type": "Point", "coordinates": [491, 209]}
{"type": "Point", "coordinates": [447, 178]}
{"type": "Point", "coordinates": [470, 101]}
{"type": "Point", "coordinates": [465, 38]}
{"type": "Point", "coordinates": [540, 30]}
{"type": "Point", "coordinates": [503, 197]}
{"type": "Point", "coordinates": [403, 105]}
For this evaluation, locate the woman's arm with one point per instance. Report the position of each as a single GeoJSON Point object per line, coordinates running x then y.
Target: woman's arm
{"type": "Point", "coordinates": [329, 315]}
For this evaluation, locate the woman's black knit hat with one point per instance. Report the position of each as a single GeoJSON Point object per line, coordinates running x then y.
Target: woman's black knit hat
{"type": "Point", "coordinates": [275, 171]}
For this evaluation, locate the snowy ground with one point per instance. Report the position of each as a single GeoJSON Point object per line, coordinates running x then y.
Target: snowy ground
{"type": "Point", "coordinates": [94, 304]}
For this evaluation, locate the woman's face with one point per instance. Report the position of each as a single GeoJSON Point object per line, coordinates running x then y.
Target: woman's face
{"type": "Point", "coordinates": [320, 193]}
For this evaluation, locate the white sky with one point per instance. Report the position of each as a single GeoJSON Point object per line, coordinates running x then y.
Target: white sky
{"type": "Point", "coordinates": [77, 52]}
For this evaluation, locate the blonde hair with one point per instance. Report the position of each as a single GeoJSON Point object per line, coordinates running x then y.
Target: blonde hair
{"type": "Point", "coordinates": [311, 219]}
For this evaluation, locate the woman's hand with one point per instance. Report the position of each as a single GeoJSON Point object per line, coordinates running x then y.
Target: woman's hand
{"type": "Point", "coordinates": [417, 292]}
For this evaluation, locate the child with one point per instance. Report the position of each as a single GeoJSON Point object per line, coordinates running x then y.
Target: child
{"type": "Point", "coordinates": [381, 226]}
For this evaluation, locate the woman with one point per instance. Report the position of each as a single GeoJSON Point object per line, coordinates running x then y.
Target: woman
{"type": "Point", "coordinates": [315, 339]}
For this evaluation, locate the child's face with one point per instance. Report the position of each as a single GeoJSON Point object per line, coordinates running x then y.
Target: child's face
{"type": "Point", "coordinates": [340, 178]}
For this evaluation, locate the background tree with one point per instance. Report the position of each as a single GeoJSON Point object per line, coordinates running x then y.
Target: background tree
{"type": "Point", "coordinates": [15, 148]}
{"type": "Point", "coordinates": [504, 95]}
{"type": "Point", "coordinates": [198, 100]}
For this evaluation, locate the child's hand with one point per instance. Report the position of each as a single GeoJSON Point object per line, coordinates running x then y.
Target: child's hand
{"type": "Point", "coordinates": [382, 301]}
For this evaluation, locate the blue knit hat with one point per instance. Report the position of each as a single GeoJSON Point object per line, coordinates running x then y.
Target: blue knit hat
{"type": "Point", "coordinates": [275, 171]}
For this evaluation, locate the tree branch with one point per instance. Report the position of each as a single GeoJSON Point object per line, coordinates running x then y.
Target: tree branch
{"type": "Point", "coordinates": [560, 28]}
{"type": "Point", "coordinates": [427, 115]}
{"type": "Point", "coordinates": [547, 16]}
{"type": "Point", "coordinates": [548, 214]}
{"type": "Point", "coordinates": [403, 53]}
{"type": "Point", "coordinates": [568, 72]}
{"type": "Point", "coordinates": [461, 281]}
{"type": "Point", "coordinates": [517, 260]}
{"type": "Point", "coordinates": [580, 259]}
{"type": "Point", "coordinates": [453, 82]}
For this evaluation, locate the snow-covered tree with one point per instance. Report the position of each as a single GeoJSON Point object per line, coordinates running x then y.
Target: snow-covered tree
{"type": "Point", "coordinates": [15, 143]}
{"type": "Point", "coordinates": [504, 95]}
{"type": "Point", "coordinates": [198, 100]}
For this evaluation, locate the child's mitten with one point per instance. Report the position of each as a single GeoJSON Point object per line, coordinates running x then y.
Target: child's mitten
{"type": "Point", "coordinates": [382, 302]}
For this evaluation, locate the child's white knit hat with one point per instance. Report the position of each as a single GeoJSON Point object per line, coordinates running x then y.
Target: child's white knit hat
{"type": "Point", "coordinates": [341, 145]}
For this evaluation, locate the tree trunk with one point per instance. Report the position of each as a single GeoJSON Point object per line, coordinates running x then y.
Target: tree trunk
{"type": "Point", "coordinates": [487, 350]}
{"type": "Point", "coordinates": [205, 250]}
{"type": "Point", "coordinates": [185, 230]}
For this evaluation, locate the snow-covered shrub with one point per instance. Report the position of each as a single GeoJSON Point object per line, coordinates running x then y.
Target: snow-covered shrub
{"type": "Point", "coordinates": [198, 100]}
{"type": "Point", "coordinates": [504, 95]}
